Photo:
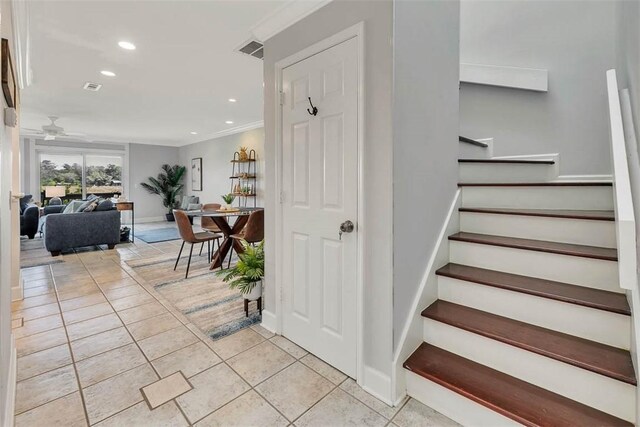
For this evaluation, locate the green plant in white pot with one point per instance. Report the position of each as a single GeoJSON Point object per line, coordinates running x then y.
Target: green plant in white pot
{"type": "Point", "coordinates": [228, 200]}
{"type": "Point", "coordinates": [246, 276]}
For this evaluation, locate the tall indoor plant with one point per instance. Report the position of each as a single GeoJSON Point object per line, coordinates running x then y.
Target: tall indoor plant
{"type": "Point", "coordinates": [246, 276]}
{"type": "Point", "coordinates": [168, 184]}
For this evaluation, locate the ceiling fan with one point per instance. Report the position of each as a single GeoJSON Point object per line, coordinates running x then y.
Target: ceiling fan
{"type": "Point", "coordinates": [51, 131]}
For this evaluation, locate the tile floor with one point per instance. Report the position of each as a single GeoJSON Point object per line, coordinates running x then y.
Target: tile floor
{"type": "Point", "coordinates": [97, 346]}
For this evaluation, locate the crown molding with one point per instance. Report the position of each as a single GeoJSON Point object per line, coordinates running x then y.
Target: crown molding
{"type": "Point", "coordinates": [285, 16]}
{"type": "Point", "coordinates": [226, 132]}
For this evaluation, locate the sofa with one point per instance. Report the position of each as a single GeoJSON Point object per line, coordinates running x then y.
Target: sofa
{"type": "Point", "coordinates": [72, 230]}
{"type": "Point", "coordinates": [29, 218]}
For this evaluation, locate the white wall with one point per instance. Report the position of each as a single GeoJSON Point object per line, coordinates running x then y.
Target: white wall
{"type": "Point", "coordinates": [425, 140]}
{"type": "Point", "coordinates": [145, 161]}
{"type": "Point", "coordinates": [330, 19]}
{"type": "Point", "coordinates": [574, 41]}
{"type": "Point", "coordinates": [216, 164]}
{"type": "Point", "coordinates": [627, 26]}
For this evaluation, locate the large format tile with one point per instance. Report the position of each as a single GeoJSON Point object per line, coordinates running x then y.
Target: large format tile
{"type": "Point", "coordinates": [166, 389]}
{"type": "Point", "coordinates": [415, 414]}
{"type": "Point", "coordinates": [99, 343]}
{"type": "Point", "coordinates": [153, 326]}
{"type": "Point", "coordinates": [93, 326]}
{"type": "Point", "coordinates": [76, 303]}
{"type": "Point", "coordinates": [126, 291]}
{"type": "Point", "coordinates": [41, 341]}
{"type": "Point", "coordinates": [43, 361]}
{"type": "Point", "coordinates": [295, 389]}
{"type": "Point", "coordinates": [167, 342]}
{"type": "Point", "coordinates": [324, 369]}
{"type": "Point", "coordinates": [45, 388]}
{"type": "Point", "coordinates": [86, 313]}
{"type": "Point", "coordinates": [117, 283]}
{"type": "Point", "coordinates": [141, 312]}
{"type": "Point", "coordinates": [42, 324]}
{"type": "Point", "coordinates": [248, 410]}
{"type": "Point", "coordinates": [66, 411]}
{"type": "Point", "coordinates": [131, 301]}
{"type": "Point", "coordinates": [190, 360]}
{"type": "Point", "coordinates": [340, 408]}
{"type": "Point", "coordinates": [351, 387]}
{"type": "Point", "coordinates": [139, 415]}
{"type": "Point", "coordinates": [108, 364]}
{"type": "Point", "coordinates": [211, 389]}
{"type": "Point", "coordinates": [37, 312]}
{"type": "Point", "coordinates": [288, 346]}
{"type": "Point", "coordinates": [117, 393]}
{"type": "Point", "coordinates": [34, 301]}
{"type": "Point", "coordinates": [260, 362]}
{"type": "Point", "coordinates": [237, 343]}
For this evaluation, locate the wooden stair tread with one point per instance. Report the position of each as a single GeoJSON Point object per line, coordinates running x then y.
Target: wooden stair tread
{"type": "Point", "coordinates": [590, 355]}
{"type": "Point", "coordinates": [579, 295]}
{"type": "Point", "coordinates": [596, 252]}
{"type": "Point", "coordinates": [518, 400]}
{"type": "Point", "coordinates": [537, 184]}
{"type": "Point", "coordinates": [510, 161]}
{"type": "Point", "coordinates": [550, 213]}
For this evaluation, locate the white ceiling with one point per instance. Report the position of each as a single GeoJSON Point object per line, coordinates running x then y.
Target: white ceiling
{"type": "Point", "coordinates": [178, 80]}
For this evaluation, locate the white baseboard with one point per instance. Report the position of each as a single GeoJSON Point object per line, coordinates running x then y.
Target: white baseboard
{"type": "Point", "coordinates": [151, 219]}
{"type": "Point", "coordinates": [11, 387]}
{"type": "Point", "coordinates": [17, 292]}
{"type": "Point", "coordinates": [269, 321]}
{"type": "Point", "coordinates": [377, 384]}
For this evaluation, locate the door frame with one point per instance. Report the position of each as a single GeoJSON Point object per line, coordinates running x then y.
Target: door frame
{"type": "Point", "coordinates": [355, 31]}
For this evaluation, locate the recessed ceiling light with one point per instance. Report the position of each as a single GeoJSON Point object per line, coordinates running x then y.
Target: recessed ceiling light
{"type": "Point", "coordinates": [108, 73]}
{"type": "Point", "coordinates": [127, 45]}
{"type": "Point", "coordinates": [193, 133]}
{"type": "Point", "coordinates": [232, 100]}
{"type": "Point", "coordinates": [229, 122]}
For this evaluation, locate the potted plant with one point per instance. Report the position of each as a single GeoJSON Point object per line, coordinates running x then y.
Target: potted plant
{"type": "Point", "coordinates": [246, 276]}
{"type": "Point", "coordinates": [168, 184]}
{"type": "Point", "coordinates": [228, 200]}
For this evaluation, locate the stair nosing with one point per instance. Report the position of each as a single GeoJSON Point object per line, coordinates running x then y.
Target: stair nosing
{"type": "Point", "coordinates": [544, 213]}
{"type": "Point", "coordinates": [537, 184]}
{"type": "Point", "coordinates": [544, 162]}
{"type": "Point", "coordinates": [541, 394]}
{"type": "Point", "coordinates": [528, 347]}
{"type": "Point", "coordinates": [556, 297]}
{"type": "Point", "coordinates": [475, 238]}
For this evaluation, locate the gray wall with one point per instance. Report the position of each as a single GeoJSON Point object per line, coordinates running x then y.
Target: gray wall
{"type": "Point", "coordinates": [378, 19]}
{"type": "Point", "coordinates": [145, 161]}
{"type": "Point", "coordinates": [216, 167]}
{"type": "Point", "coordinates": [574, 41]}
{"type": "Point", "coordinates": [425, 140]}
{"type": "Point", "coordinates": [627, 25]}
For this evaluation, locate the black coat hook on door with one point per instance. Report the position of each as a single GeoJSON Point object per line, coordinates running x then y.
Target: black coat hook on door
{"type": "Point", "coordinates": [314, 110]}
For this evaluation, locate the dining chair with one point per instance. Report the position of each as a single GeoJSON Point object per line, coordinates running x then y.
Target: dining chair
{"type": "Point", "coordinates": [188, 236]}
{"type": "Point", "coordinates": [208, 224]}
{"type": "Point", "coordinates": [253, 231]}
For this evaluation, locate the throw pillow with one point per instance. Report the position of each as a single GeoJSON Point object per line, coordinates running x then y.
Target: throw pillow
{"type": "Point", "coordinates": [83, 206]}
{"type": "Point", "coordinates": [92, 206]}
{"type": "Point", "coordinates": [105, 205]}
{"type": "Point", "coordinates": [194, 207]}
{"type": "Point", "coordinates": [185, 202]}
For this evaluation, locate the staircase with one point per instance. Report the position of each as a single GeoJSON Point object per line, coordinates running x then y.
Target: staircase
{"type": "Point", "coordinates": [530, 325]}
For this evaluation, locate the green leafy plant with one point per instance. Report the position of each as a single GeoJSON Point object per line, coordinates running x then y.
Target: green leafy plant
{"type": "Point", "coordinates": [249, 269]}
{"type": "Point", "coordinates": [168, 184]}
{"type": "Point", "coordinates": [228, 198]}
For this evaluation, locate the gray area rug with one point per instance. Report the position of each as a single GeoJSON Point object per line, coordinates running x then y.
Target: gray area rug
{"type": "Point", "coordinates": [158, 235]}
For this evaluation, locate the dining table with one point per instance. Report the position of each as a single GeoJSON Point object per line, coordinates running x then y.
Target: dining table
{"type": "Point", "coordinates": [221, 218]}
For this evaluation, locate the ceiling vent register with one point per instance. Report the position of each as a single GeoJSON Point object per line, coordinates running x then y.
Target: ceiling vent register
{"type": "Point", "coordinates": [252, 48]}
{"type": "Point", "coordinates": [94, 87]}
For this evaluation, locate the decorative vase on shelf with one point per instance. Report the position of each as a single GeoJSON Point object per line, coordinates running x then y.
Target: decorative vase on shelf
{"type": "Point", "coordinates": [242, 155]}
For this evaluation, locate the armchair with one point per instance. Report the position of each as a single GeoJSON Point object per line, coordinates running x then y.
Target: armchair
{"type": "Point", "coordinates": [29, 221]}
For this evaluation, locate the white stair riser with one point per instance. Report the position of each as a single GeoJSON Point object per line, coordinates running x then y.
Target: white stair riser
{"type": "Point", "coordinates": [595, 390]}
{"type": "Point", "coordinates": [561, 197]}
{"type": "Point", "coordinates": [509, 172]}
{"type": "Point", "coordinates": [576, 231]}
{"type": "Point", "coordinates": [594, 273]}
{"type": "Point", "coordinates": [455, 406]}
{"type": "Point", "coordinates": [589, 323]}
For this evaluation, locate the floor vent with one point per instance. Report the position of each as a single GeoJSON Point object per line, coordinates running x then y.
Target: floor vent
{"type": "Point", "coordinates": [253, 48]}
{"type": "Point", "coordinates": [94, 87]}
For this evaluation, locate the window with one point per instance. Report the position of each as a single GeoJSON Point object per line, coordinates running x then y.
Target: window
{"type": "Point", "coordinates": [81, 174]}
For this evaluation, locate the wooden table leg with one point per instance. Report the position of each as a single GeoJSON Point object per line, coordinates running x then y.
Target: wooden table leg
{"type": "Point", "coordinates": [225, 246]}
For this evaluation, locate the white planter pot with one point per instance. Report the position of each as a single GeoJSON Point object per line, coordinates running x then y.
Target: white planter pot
{"type": "Point", "coordinates": [255, 293]}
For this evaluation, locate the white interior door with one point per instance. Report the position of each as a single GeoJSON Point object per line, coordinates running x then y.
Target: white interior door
{"type": "Point", "coordinates": [320, 192]}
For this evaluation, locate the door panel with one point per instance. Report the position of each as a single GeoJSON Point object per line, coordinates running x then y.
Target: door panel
{"type": "Point", "coordinates": [320, 186]}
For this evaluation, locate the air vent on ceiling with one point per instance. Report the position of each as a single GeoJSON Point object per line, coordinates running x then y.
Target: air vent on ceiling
{"type": "Point", "coordinates": [251, 47]}
{"type": "Point", "coordinates": [94, 87]}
